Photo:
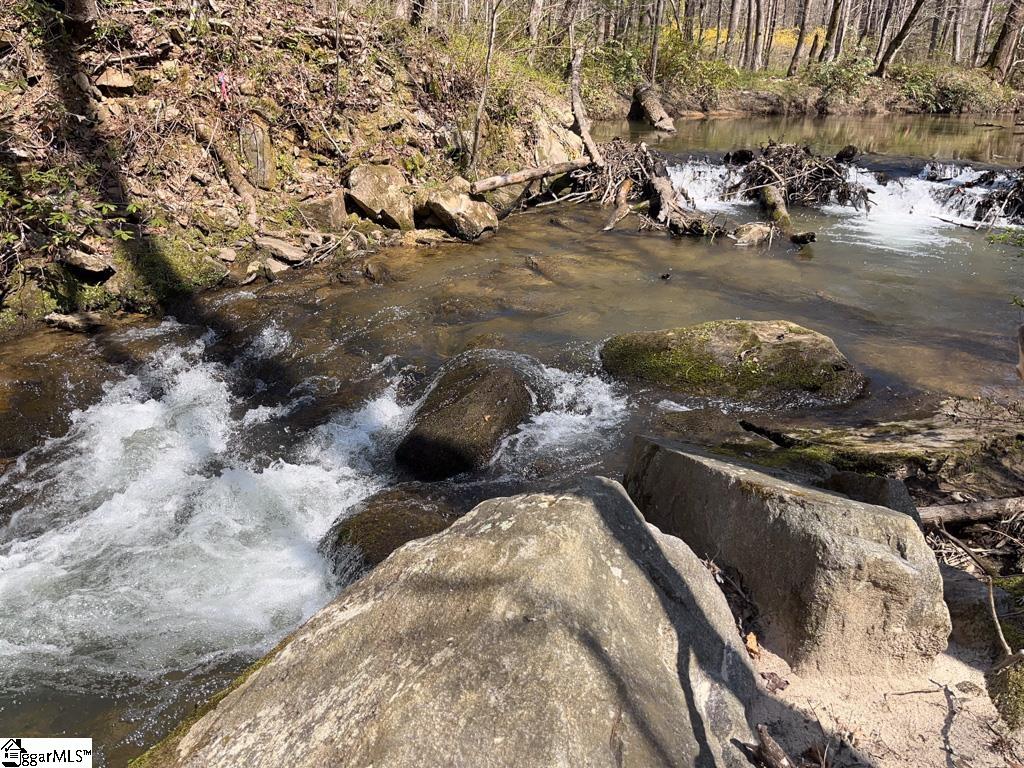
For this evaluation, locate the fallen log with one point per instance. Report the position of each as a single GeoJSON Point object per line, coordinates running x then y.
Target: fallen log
{"type": "Point", "coordinates": [935, 516]}
{"type": "Point", "coordinates": [646, 105]}
{"type": "Point", "coordinates": [527, 174]}
{"type": "Point", "coordinates": [774, 203]}
{"type": "Point", "coordinates": [579, 112]}
{"type": "Point", "coordinates": [232, 170]}
{"type": "Point", "coordinates": [622, 206]}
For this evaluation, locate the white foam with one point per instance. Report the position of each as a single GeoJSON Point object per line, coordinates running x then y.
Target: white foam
{"type": "Point", "coordinates": [146, 540]}
{"type": "Point", "coordinates": [706, 184]}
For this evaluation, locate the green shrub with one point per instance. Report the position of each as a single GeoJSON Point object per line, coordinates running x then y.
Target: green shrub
{"type": "Point", "coordinates": [947, 89]}
{"type": "Point", "coordinates": [842, 78]}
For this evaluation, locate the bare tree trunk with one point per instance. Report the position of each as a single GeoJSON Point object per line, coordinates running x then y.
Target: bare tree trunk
{"type": "Point", "coordinates": [828, 46]}
{"type": "Point", "coordinates": [815, 47]}
{"type": "Point", "coordinates": [982, 33]}
{"type": "Point", "coordinates": [801, 41]}
{"type": "Point", "coordinates": [533, 24]}
{"type": "Point", "coordinates": [769, 40]}
{"type": "Point", "coordinates": [958, 32]}
{"type": "Point", "coordinates": [656, 38]}
{"type": "Point", "coordinates": [758, 36]}
{"type": "Point", "coordinates": [718, 28]}
{"type": "Point", "coordinates": [1001, 58]}
{"type": "Point", "coordinates": [730, 33]}
{"type": "Point", "coordinates": [748, 36]}
{"type": "Point", "coordinates": [901, 37]}
{"type": "Point", "coordinates": [883, 29]}
{"type": "Point", "coordinates": [83, 15]}
{"type": "Point", "coordinates": [492, 29]}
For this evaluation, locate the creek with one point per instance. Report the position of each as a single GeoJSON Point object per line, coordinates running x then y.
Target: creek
{"type": "Point", "coordinates": [170, 480]}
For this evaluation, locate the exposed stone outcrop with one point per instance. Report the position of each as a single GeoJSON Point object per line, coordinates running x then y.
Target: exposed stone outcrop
{"type": "Point", "coordinates": [476, 402]}
{"type": "Point", "coordinates": [380, 191]}
{"type": "Point", "coordinates": [327, 213]}
{"type": "Point", "coordinates": [843, 588]}
{"type": "Point", "coordinates": [465, 218]}
{"type": "Point", "coordinates": [379, 525]}
{"type": "Point", "coordinates": [770, 362]}
{"type": "Point", "coordinates": [88, 265]}
{"type": "Point", "coordinates": [258, 152]}
{"type": "Point", "coordinates": [281, 249]}
{"type": "Point", "coordinates": [538, 630]}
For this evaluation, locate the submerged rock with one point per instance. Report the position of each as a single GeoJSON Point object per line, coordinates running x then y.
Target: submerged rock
{"type": "Point", "coordinates": [477, 402]}
{"type": "Point", "coordinates": [465, 218]}
{"type": "Point", "coordinates": [843, 588]}
{"type": "Point", "coordinates": [770, 362]}
{"type": "Point", "coordinates": [380, 192]}
{"type": "Point", "coordinates": [379, 525]}
{"type": "Point", "coordinates": [538, 630]}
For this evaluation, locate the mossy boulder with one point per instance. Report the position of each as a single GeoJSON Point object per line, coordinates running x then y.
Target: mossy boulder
{"type": "Point", "coordinates": [772, 363]}
{"type": "Point", "coordinates": [479, 399]}
{"type": "Point", "coordinates": [379, 525]}
{"type": "Point", "coordinates": [1006, 689]}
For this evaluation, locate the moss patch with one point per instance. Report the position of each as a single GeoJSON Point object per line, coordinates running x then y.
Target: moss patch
{"type": "Point", "coordinates": [1006, 689]}
{"type": "Point", "coordinates": [773, 362]}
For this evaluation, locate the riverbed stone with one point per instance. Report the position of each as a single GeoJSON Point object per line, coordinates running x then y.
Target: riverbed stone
{"type": "Point", "coordinates": [478, 400]}
{"type": "Point", "coordinates": [551, 629]}
{"type": "Point", "coordinates": [379, 525]}
{"type": "Point", "coordinates": [465, 218]}
{"type": "Point", "coordinates": [770, 362]}
{"type": "Point", "coordinates": [327, 212]}
{"type": "Point", "coordinates": [281, 249]}
{"type": "Point", "coordinates": [843, 588]}
{"type": "Point", "coordinates": [380, 192]}
{"type": "Point", "coordinates": [88, 265]}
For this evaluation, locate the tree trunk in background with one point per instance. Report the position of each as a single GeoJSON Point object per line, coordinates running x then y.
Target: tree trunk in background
{"type": "Point", "coordinates": [769, 39]}
{"type": "Point", "coordinates": [901, 37]}
{"type": "Point", "coordinates": [815, 47]}
{"type": "Point", "coordinates": [748, 36]}
{"type": "Point", "coordinates": [533, 24]}
{"type": "Point", "coordinates": [933, 41]}
{"type": "Point", "coordinates": [828, 46]}
{"type": "Point", "coordinates": [883, 29]}
{"type": "Point", "coordinates": [734, 13]}
{"type": "Point", "coordinates": [982, 33]}
{"type": "Point", "coordinates": [83, 15]}
{"type": "Point", "coordinates": [656, 39]}
{"type": "Point", "coordinates": [718, 28]}
{"type": "Point", "coordinates": [844, 24]}
{"type": "Point", "coordinates": [1001, 58]}
{"type": "Point", "coordinates": [759, 21]}
{"type": "Point", "coordinates": [801, 41]}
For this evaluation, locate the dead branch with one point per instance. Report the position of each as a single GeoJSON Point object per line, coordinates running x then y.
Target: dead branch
{"type": "Point", "coordinates": [938, 515]}
{"type": "Point", "coordinates": [622, 206]}
{"type": "Point", "coordinates": [771, 754]}
{"type": "Point", "coordinates": [527, 174]}
{"type": "Point", "coordinates": [647, 105]}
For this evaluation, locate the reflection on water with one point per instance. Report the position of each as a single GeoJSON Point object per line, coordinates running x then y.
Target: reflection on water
{"type": "Point", "coordinates": [967, 138]}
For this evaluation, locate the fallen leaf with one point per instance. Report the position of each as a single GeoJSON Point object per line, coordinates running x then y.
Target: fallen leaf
{"type": "Point", "coordinates": [752, 646]}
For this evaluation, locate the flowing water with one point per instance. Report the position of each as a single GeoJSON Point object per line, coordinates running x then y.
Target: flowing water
{"type": "Point", "coordinates": [159, 524]}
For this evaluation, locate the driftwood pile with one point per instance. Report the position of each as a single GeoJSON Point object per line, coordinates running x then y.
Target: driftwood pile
{"type": "Point", "coordinates": [1005, 201]}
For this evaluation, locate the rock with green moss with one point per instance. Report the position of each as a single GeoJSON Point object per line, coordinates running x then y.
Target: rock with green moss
{"type": "Point", "coordinates": [1006, 689]}
{"type": "Point", "coordinates": [379, 525]}
{"type": "Point", "coordinates": [772, 363]}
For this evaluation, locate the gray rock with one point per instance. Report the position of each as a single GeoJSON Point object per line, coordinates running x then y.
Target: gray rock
{"type": "Point", "coordinates": [843, 588]}
{"type": "Point", "coordinates": [966, 597]}
{"type": "Point", "coordinates": [275, 267]}
{"type": "Point", "coordinates": [476, 402]}
{"type": "Point", "coordinates": [327, 212]}
{"type": "Point", "coordinates": [258, 152]}
{"type": "Point", "coordinates": [537, 631]}
{"type": "Point", "coordinates": [465, 218]}
{"type": "Point", "coordinates": [772, 362]}
{"type": "Point", "coordinates": [227, 255]}
{"type": "Point", "coordinates": [379, 525]}
{"type": "Point", "coordinates": [92, 265]}
{"type": "Point", "coordinates": [380, 192]}
{"type": "Point", "coordinates": [884, 491]}
{"type": "Point", "coordinates": [281, 249]}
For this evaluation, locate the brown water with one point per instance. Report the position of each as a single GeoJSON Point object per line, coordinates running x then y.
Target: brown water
{"type": "Point", "coordinates": [991, 140]}
{"type": "Point", "coordinates": [167, 534]}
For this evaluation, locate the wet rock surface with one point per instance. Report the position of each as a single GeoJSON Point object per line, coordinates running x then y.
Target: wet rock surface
{"type": "Point", "coordinates": [844, 588]}
{"type": "Point", "coordinates": [771, 363]}
{"type": "Point", "coordinates": [476, 402]}
{"type": "Point", "coordinates": [448, 653]}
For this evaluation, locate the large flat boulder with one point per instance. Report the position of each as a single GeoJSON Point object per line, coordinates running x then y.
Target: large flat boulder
{"type": "Point", "coordinates": [768, 362]}
{"type": "Point", "coordinates": [537, 631]}
{"type": "Point", "coordinates": [842, 587]}
{"type": "Point", "coordinates": [380, 192]}
{"type": "Point", "coordinates": [478, 400]}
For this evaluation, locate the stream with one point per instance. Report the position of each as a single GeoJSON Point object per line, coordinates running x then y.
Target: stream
{"type": "Point", "coordinates": [169, 480]}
